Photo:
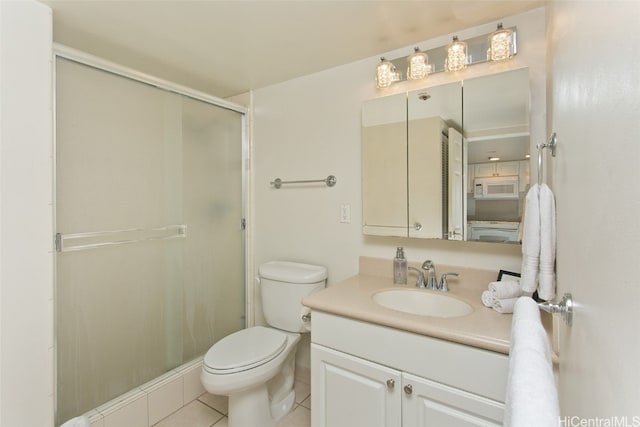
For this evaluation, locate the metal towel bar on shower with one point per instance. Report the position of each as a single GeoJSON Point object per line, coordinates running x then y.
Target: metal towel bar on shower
{"type": "Point", "coordinates": [97, 239]}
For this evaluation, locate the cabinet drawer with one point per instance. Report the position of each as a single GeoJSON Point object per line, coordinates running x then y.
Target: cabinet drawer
{"type": "Point", "coordinates": [467, 368]}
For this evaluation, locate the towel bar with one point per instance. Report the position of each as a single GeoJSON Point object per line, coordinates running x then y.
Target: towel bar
{"type": "Point", "coordinates": [330, 181]}
{"type": "Point", "coordinates": [98, 239]}
{"type": "Point", "coordinates": [564, 307]}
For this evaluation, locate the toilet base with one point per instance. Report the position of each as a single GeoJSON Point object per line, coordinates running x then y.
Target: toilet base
{"type": "Point", "coordinates": [250, 408]}
{"type": "Point", "coordinates": [262, 412]}
{"type": "Point", "coordinates": [282, 408]}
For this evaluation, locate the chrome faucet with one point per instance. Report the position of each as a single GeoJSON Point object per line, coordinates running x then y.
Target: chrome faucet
{"type": "Point", "coordinates": [430, 268]}
{"type": "Point", "coordinates": [444, 286]}
{"type": "Point", "coordinates": [420, 283]}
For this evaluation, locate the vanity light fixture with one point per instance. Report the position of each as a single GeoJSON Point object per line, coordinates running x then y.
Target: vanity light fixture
{"type": "Point", "coordinates": [386, 74]}
{"type": "Point", "coordinates": [500, 44]}
{"type": "Point", "coordinates": [418, 65]}
{"type": "Point", "coordinates": [456, 55]}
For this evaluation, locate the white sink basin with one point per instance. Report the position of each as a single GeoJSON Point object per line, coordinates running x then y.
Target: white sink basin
{"type": "Point", "coordinates": [423, 303]}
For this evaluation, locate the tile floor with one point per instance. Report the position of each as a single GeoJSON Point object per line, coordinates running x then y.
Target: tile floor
{"type": "Point", "coordinates": [209, 410]}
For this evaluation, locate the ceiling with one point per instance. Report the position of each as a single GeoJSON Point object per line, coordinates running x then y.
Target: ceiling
{"type": "Point", "coordinates": [229, 47]}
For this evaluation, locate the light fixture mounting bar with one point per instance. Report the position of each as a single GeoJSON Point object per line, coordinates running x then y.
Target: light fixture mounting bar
{"type": "Point", "coordinates": [476, 54]}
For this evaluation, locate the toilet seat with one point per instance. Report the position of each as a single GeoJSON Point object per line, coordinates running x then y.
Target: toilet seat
{"type": "Point", "coordinates": [244, 350]}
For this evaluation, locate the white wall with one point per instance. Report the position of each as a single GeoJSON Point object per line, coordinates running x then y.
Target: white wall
{"type": "Point", "coordinates": [309, 127]}
{"type": "Point", "coordinates": [26, 262]}
{"type": "Point", "coordinates": [595, 82]}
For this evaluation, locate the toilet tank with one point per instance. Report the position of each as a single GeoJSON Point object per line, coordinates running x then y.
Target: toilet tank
{"type": "Point", "coordinates": [283, 286]}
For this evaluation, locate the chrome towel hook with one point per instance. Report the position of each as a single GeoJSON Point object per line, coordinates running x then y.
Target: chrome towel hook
{"type": "Point", "coordinates": [564, 307]}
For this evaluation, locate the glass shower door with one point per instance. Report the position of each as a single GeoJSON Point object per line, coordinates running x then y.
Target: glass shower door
{"type": "Point", "coordinates": [150, 267]}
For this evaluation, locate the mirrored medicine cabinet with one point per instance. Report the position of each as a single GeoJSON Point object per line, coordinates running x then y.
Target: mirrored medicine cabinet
{"type": "Point", "coordinates": [448, 162]}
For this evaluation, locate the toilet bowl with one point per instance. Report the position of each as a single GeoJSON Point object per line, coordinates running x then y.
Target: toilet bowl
{"type": "Point", "coordinates": [255, 367]}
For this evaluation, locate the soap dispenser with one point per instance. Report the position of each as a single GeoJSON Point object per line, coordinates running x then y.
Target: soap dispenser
{"type": "Point", "coordinates": [400, 268]}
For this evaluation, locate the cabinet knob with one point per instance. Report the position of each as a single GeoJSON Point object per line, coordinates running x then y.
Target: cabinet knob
{"type": "Point", "coordinates": [408, 389]}
{"type": "Point", "coordinates": [417, 226]}
{"type": "Point", "coordinates": [391, 384]}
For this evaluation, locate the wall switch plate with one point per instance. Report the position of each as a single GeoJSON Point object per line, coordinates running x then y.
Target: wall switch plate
{"type": "Point", "coordinates": [345, 213]}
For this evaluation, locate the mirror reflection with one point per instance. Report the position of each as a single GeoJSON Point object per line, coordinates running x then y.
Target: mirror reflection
{"type": "Point", "coordinates": [448, 162]}
{"type": "Point", "coordinates": [496, 131]}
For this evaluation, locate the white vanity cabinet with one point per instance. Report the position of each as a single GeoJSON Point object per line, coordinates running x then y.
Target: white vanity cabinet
{"type": "Point", "coordinates": [364, 374]}
{"type": "Point", "coordinates": [355, 392]}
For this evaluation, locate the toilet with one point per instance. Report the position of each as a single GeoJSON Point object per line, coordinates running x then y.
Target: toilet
{"type": "Point", "coordinates": [255, 367]}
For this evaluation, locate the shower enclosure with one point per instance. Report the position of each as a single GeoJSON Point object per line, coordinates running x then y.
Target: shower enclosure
{"type": "Point", "coordinates": [150, 241]}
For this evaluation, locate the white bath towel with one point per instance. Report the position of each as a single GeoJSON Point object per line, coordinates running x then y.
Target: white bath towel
{"type": "Point", "coordinates": [546, 281]}
{"type": "Point", "coordinates": [531, 241]}
{"type": "Point", "coordinates": [532, 396]}
{"type": "Point", "coordinates": [505, 289]}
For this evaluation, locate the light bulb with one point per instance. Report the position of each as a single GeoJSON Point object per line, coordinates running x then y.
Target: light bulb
{"type": "Point", "coordinates": [418, 67]}
{"type": "Point", "coordinates": [500, 44]}
{"type": "Point", "coordinates": [456, 55]}
{"type": "Point", "coordinates": [386, 74]}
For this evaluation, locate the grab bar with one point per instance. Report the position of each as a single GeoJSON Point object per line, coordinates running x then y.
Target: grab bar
{"type": "Point", "coordinates": [92, 240]}
{"type": "Point", "coordinates": [330, 181]}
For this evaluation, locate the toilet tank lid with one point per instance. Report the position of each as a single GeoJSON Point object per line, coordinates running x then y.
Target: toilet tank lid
{"type": "Point", "coordinates": [293, 272]}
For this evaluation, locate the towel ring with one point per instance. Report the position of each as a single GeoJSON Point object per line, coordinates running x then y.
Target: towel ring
{"type": "Point", "coordinates": [553, 143]}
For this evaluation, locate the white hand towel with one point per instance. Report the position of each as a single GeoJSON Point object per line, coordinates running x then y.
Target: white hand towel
{"type": "Point", "coordinates": [506, 289]}
{"type": "Point", "coordinates": [531, 241]}
{"type": "Point", "coordinates": [532, 396]}
{"type": "Point", "coordinates": [505, 306]}
{"type": "Point", "coordinates": [546, 285]}
{"type": "Point", "coordinates": [488, 299]}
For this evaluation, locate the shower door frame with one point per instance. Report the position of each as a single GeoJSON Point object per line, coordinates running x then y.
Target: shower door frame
{"type": "Point", "coordinates": [65, 52]}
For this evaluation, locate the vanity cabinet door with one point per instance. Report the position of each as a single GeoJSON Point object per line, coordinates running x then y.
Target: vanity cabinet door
{"type": "Point", "coordinates": [349, 391]}
{"type": "Point", "coordinates": [428, 403]}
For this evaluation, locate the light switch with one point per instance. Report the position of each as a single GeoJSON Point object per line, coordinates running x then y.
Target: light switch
{"type": "Point", "coordinates": [345, 213]}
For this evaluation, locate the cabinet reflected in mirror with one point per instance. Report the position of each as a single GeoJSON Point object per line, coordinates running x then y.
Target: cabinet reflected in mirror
{"type": "Point", "coordinates": [434, 124]}
{"type": "Point", "coordinates": [426, 168]}
{"type": "Point", "coordinates": [384, 166]}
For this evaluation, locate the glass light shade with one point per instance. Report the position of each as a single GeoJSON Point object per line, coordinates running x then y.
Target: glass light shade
{"type": "Point", "coordinates": [456, 55]}
{"type": "Point", "coordinates": [418, 67]}
{"type": "Point", "coordinates": [500, 44]}
{"type": "Point", "coordinates": [386, 74]}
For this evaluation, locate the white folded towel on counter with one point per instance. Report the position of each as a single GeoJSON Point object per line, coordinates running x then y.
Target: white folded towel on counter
{"type": "Point", "coordinates": [504, 306]}
{"type": "Point", "coordinates": [532, 396]}
{"type": "Point", "coordinates": [501, 296]}
{"type": "Point", "coordinates": [506, 289]}
{"type": "Point", "coordinates": [488, 299]}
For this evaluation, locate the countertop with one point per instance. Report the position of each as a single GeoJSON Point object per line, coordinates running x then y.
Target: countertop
{"type": "Point", "coordinates": [483, 328]}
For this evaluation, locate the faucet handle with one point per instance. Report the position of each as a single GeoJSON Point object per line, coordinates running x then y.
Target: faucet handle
{"type": "Point", "coordinates": [420, 283]}
{"type": "Point", "coordinates": [444, 286]}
